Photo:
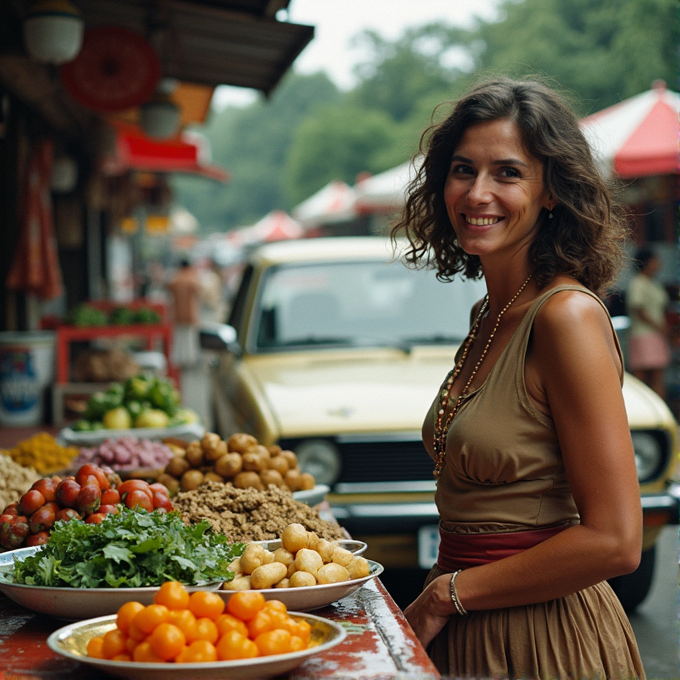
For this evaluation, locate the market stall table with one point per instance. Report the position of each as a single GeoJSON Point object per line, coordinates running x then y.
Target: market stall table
{"type": "Point", "coordinates": [151, 333]}
{"type": "Point", "coordinates": [379, 644]}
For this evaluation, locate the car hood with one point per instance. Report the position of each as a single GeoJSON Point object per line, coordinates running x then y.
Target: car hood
{"type": "Point", "coordinates": [367, 391]}
{"type": "Point", "coordinates": [385, 390]}
{"type": "Point", "coordinates": [645, 409]}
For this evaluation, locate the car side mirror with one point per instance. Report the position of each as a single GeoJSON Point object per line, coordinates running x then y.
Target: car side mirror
{"type": "Point", "coordinates": [621, 323]}
{"type": "Point", "coordinates": [220, 337]}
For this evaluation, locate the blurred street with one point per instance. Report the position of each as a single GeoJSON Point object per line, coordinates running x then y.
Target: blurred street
{"type": "Point", "coordinates": [196, 392]}
{"type": "Point", "coordinates": [657, 620]}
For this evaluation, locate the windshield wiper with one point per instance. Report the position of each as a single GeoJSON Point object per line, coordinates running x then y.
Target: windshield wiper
{"type": "Point", "coordinates": [402, 344]}
{"type": "Point", "coordinates": [345, 341]}
{"type": "Point", "coordinates": [435, 339]}
{"type": "Point", "coordinates": [316, 340]}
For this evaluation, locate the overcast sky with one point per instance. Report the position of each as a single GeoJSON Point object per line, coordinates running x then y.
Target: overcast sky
{"type": "Point", "coordinates": [336, 22]}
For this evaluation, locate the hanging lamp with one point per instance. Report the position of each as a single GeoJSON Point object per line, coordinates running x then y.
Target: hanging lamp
{"type": "Point", "coordinates": [53, 31]}
{"type": "Point", "coordinates": [159, 117]}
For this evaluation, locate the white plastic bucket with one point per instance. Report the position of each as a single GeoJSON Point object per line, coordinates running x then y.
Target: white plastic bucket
{"type": "Point", "coordinates": [26, 369]}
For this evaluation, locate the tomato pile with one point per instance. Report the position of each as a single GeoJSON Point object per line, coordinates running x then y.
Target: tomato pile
{"type": "Point", "coordinates": [90, 494]}
{"type": "Point", "coordinates": [188, 628]}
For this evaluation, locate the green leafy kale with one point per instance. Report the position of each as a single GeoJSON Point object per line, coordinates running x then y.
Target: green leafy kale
{"type": "Point", "coordinates": [132, 549]}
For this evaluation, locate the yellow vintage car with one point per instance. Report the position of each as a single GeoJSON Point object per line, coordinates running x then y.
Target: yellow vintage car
{"type": "Point", "coordinates": [335, 350]}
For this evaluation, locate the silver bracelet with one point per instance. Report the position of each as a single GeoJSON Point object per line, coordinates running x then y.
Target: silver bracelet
{"type": "Point", "coordinates": [454, 595]}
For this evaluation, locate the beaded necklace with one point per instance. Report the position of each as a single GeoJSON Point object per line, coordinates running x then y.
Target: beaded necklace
{"type": "Point", "coordinates": [442, 424]}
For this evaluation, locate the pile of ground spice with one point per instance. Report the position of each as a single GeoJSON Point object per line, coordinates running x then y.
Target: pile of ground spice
{"type": "Point", "coordinates": [248, 514]}
{"type": "Point", "coordinates": [15, 479]}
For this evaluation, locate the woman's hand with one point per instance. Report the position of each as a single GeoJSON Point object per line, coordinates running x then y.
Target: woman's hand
{"type": "Point", "coordinates": [431, 611]}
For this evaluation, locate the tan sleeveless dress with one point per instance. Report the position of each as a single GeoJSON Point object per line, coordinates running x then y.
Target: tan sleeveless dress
{"type": "Point", "coordinates": [504, 472]}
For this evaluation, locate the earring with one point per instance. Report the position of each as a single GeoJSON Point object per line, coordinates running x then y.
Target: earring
{"type": "Point", "coordinates": [550, 215]}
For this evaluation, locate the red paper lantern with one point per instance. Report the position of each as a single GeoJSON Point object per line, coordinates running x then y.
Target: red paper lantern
{"type": "Point", "coordinates": [116, 69]}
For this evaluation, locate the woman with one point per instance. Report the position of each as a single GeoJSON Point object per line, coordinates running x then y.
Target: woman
{"type": "Point", "coordinates": [649, 351]}
{"type": "Point", "coordinates": [537, 489]}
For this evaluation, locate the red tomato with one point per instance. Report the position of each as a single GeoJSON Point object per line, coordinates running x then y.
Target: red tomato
{"type": "Point", "coordinates": [96, 518]}
{"type": "Point", "coordinates": [110, 497]}
{"type": "Point", "coordinates": [11, 509]}
{"type": "Point", "coordinates": [13, 534]}
{"type": "Point", "coordinates": [130, 485]}
{"type": "Point", "coordinates": [66, 514]}
{"type": "Point", "coordinates": [91, 470]}
{"type": "Point", "coordinates": [138, 498]}
{"type": "Point", "coordinates": [88, 499]}
{"type": "Point", "coordinates": [161, 500]}
{"type": "Point", "coordinates": [108, 509]}
{"type": "Point", "coordinates": [43, 518]}
{"type": "Point", "coordinates": [90, 480]}
{"type": "Point", "coordinates": [38, 539]}
{"type": "Point", "coordinates": [67, 492]}
{"type": "Point", "coordinates": [30, 502]}
{"type": "Point", "coordinates": [47, 488]}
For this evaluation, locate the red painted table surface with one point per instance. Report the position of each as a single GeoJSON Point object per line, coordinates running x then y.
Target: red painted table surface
{"type": "Point", "coordinates": [380, 644]}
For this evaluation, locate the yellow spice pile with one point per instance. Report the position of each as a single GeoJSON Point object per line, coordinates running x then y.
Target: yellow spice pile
{"type": "Point", "coordinates": [43, 453]}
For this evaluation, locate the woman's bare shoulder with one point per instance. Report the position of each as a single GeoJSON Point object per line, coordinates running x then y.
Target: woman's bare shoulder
{"type": "Point", "coordinates": [572, 310]}
{"type": "Point", "coordinates": [575, 322]}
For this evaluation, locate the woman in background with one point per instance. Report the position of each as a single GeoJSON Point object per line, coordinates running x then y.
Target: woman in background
{"type": "Point", "coordinates": [646, 303]}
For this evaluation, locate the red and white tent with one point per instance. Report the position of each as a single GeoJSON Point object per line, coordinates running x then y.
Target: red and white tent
{"type": "Point", "coordinates": [276, 225]}
{"type": "Point", "coordinates": [637, 137]}
{"type": "Point", "coordinates": [385, 192]}
{"type": "Point", "coordinates": [332, 203]}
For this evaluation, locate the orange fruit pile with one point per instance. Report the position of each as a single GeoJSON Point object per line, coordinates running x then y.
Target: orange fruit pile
{"type": "Point", "coordinates": [188, 628]}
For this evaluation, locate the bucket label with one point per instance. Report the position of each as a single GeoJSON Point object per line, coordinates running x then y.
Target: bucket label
{"type": "Point", "coordinates": [19, 388]}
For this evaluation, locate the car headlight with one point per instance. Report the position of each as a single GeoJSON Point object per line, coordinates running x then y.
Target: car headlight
{"type": "Point", "coordinates": [320, 458]}
{"type": "Point", "coordinates": [648, 455]}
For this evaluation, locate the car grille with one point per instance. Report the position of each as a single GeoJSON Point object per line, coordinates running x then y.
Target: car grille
{"type": "Point", "coordinates": [379, 461]}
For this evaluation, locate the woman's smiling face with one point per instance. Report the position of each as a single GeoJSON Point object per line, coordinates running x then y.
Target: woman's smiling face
{"type": "Point", "coordinates": [494, 192]}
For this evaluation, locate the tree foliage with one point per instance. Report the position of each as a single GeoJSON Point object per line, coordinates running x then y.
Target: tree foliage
{"type": "Point", "coordinates": [337, 143]}
{"type": "Point", "coordinates": [282, 150]}
{"type": "Point", "coordinates": [400, 74]}
{"type": "Point", "coordinates": [603, 51]}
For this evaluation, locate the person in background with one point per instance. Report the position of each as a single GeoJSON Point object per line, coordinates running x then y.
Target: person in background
{"type": "Point", "coordinates": [537, 489]}
{"type": "Point", "coordinates": [185, 289]}
{"type": "Point", "coordinates": [157, 290]}
{"type": "Point", "coordinates": [649, 351]}
{"type": "Point", "coordinates": [213, 306]}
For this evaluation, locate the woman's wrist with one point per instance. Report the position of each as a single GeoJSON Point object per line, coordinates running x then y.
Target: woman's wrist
{"type": "Point", "coordinates": [453, 593]}
{"type": "Point", "coordinates": [440, 596]}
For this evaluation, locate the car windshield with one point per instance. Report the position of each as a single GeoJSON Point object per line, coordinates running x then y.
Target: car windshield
{"type": "Point", "coordinates": [363, 303]}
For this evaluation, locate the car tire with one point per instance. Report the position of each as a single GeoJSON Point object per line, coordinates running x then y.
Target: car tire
{"type": "Point", "coordinates": [632, 589]}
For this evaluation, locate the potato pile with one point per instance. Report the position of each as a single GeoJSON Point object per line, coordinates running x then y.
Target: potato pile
{"type": "Point", "coordinates": [240, 461]}
{"type": "Point", "coordinates": [303, 559]}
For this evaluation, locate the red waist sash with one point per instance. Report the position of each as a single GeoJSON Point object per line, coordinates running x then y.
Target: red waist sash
{"type": "Point", "coordinates": [460, 551]}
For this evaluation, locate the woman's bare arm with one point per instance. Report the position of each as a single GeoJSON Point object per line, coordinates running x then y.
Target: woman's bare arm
{"type": "Point", "coordinates": [578, 367]}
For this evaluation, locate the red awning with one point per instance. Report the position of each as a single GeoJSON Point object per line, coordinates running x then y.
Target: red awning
{"type": "Point", "coordinates": [639, 136]}
{"type": "Point", "coordinates": [135, 151]}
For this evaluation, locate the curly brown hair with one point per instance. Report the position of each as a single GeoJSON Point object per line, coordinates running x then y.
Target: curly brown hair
{"type": "Point", "coordinates": [587, 237]}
